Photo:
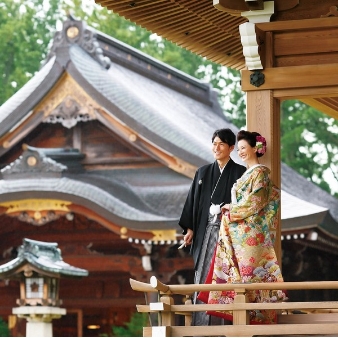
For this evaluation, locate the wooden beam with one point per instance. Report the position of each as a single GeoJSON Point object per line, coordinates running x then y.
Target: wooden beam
{"type": "Point", "coordinates": [102, 263]}
{"type": "Point", "coordinates": [230, 6]}
{"type": "Point", "coordinates": [105, 302]}
{"type": "Point", "coordinates": [303, 43]}
{"type": "Point", "coordinates": [108, 224]}
{"type": "Point", "coordinates": [329, 108]}
{"type": "Point", "coordinates": [13, 136]}
{"type": "Point", "coordinates": [314, 76]}
{"type": "Point", "coordinates": [305, 93]}
{"type": "Point", "coordinates": [87, 302]}
{"type": "Point", "coordinates": [305, 59]}
{"type": "Point", "coordinates": [254, 4]}
{"type": "Point", "coordinates": [79, 320]}
{"type": "Point", "coordinates": [312, 24]}
{"type": "Point", "coordinates": [109, 263]}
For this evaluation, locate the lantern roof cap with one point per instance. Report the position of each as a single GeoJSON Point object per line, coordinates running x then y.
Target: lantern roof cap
{"type": "Point", "coordinates": [42, 257]}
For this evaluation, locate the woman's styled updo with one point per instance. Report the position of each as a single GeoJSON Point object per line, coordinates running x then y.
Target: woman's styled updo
{"type": "Point", "coordinates": [254, 140]}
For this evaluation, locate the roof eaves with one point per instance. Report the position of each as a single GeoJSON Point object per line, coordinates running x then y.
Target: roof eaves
{"type": "Point", "coordinates": [298, 186]}
{"type": "Point", "coordinates": [81, 193]}
{"type": "Point", "coordinates": [26, 98]}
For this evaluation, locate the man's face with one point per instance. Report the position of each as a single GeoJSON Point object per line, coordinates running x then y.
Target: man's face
{"type": "Point", "coordinates": [221, 150]}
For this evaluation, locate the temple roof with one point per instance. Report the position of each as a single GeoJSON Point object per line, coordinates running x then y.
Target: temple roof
{"type": "Point", "coordinates": [165, 106]}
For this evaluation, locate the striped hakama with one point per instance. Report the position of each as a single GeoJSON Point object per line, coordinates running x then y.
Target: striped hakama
{"type": "Point", "coordinates": [203, 266]}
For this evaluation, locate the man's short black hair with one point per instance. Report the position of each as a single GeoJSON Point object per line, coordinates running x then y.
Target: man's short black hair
{"type": "Point", "coordinates": [226, 135]}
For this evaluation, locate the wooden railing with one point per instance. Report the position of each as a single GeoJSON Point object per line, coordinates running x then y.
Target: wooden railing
{"type": "Point", "coordinates": [316, 318]}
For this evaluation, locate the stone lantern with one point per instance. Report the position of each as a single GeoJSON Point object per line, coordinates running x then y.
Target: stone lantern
{"type": "Point", "coordinates": [39, 267]}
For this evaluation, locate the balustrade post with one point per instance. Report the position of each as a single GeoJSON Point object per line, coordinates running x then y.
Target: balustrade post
{"type": "Point", "coordinates": [188, 316]}
{"type": "Point", "coordinates": [168, 317]}
{"type": "Point", "coordinates": [240, 317]}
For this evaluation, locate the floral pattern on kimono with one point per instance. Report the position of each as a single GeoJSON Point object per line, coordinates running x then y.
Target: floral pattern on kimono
{"type": "Point", "coordinates": [245, 252]}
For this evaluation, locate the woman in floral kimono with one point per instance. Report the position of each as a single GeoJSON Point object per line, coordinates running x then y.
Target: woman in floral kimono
{"type": "Point", "coordinates": [245, 251]}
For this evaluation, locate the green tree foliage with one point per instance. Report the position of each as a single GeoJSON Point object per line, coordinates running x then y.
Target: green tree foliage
{"type": "Point", "coordinates": [26, 28]}
{"type": "Point", "coordinates": [309, 142]}
{"type": "Point", "coordinates": [134, 328]}
{"type": "Point", "coordinates": [4, 330]}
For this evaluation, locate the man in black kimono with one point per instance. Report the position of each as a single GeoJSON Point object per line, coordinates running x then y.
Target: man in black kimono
{"type": "Point", "coordinates": [201, 215]}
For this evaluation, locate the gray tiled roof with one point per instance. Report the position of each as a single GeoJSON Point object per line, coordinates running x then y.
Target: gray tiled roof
{"type": "Point", "coordinates": [173, 121]}
{"type": "Point", "coordinates": [133, 198]}
{"type": "Point", "coordinates": [298, 186]}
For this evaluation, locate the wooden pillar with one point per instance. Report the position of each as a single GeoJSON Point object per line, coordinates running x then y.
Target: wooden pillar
{"type": "Point", "coordinates": [263, 116]}
{"type": "Point", "coordinates": [168, 317]}
{"type": "Point", "coordinates": [188, 316]}
{"type": "Point", "coordinates": [240, 317]}
{"type": "Point", "coordinates": [79, 319]}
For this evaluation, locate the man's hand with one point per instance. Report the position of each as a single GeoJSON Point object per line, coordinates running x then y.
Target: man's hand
{"type": "Point", "coordinates": [188, 237]}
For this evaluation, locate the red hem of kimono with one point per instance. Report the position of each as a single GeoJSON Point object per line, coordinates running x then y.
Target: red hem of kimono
{"type": "Point", "coordinates": [203, 296]}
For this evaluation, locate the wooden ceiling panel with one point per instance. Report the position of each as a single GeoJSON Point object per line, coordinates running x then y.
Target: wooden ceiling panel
{"type": "Point", "coordinates": [195, 25]}
{"type": "Point", "coordinates": [145, 14]}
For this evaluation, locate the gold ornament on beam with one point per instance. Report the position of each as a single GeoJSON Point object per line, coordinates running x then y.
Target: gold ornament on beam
{"type": "Point", "coordinates": [35, 211]}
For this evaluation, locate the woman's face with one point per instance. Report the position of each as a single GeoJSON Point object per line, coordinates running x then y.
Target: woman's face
{"type": "Point", "coordinates": [246, 152]}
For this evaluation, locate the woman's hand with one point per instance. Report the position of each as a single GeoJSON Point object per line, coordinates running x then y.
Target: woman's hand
{"type": "Point", "coordinates": [225, 208]}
